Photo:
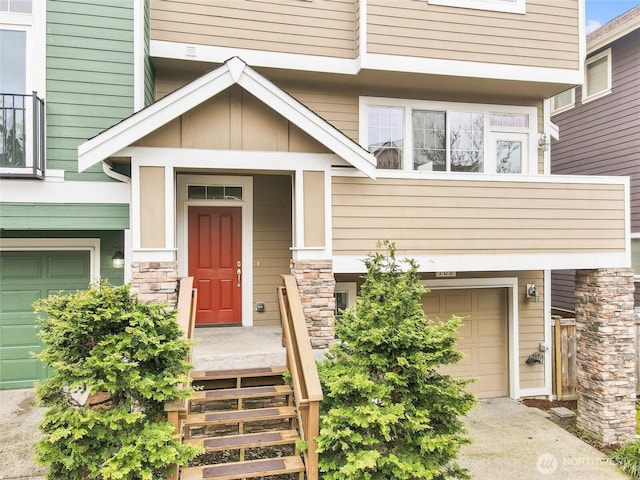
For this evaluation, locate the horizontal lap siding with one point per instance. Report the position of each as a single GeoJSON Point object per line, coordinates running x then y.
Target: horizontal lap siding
{"type": "Point", "coordinates": [546, 36]}
{"type": "Point", "coordinates": [323, 28]}
{"type": "Point", "coordinates": [602, 137]}
{"type": "Point", "coordinates": [271, 242]}
{"type": "Point", "coordinates": [474, 217]}
{"type": "Point", "coordinates": [89, 76]}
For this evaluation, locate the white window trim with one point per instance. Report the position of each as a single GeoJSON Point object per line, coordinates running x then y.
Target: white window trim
{"type": "Point", "coordinates": [529, 168]}
{"type": "Point", "coordinates": [635, 236]}
{"type": "Point", "coordinates": [92, 245]}
{"type": "Point", "coordinates": [517, 6]}
{"type": "Point", "coordinates": [564, 108]}
{"type": "Point", "coordinates": [585, 87]}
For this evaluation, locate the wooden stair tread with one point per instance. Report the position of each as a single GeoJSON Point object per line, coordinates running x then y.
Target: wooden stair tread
{"type": "Point", "coordinates": [233, 416]}
{"type": "Point", "coordinates": [237, 470]}
{"type": "Point", "coordinates": [245, 392]}
{"type": "Point", "coordinates": [249, 440]}
{"type": "Point", "coordinates": [236, 373]}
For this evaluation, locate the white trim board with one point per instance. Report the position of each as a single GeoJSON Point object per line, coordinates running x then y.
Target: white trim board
{"type": "Point", "coordinates": [366, 60]}
{"type": "Point", "coordinates": [55, 244]}
{"type": "Point", "coordinates": [28, 191]}
{"type": "Point", "coordinates": [492, 262]}
{"type": "Point", "coordinates": [234, 71]}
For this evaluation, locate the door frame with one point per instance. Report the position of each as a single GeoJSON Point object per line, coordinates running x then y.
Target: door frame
{"type": "Point", "coordinates": [246, 206]}
{"type": "Point", "coordinates": [511, 284]}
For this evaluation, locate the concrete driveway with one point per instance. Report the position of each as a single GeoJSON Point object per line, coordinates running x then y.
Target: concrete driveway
{"type": "Point", "coordinates": [512, 441]}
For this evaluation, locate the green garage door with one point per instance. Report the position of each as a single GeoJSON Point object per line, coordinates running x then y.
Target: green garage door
{"type": "Point", "coordinates": [25, 277]}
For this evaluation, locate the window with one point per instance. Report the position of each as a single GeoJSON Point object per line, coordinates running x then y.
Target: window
{"type": "Point", "coordinates": [597, 82]}
{"type": "Point", "coordinates": [635, 258]}
{"type": "Point", "coordinates": [563, 101]}
{"type": "Point", "coordinates": [16, 6]}
{"type": "Point", "coordinates": [509, 6]}
{"type": "Point", "coordinates": [214, 192]}
{"type": "Point", "coordinates": [448, 137]}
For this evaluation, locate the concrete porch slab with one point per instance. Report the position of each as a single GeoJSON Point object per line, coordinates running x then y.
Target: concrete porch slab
{"type": "Point", "coordinates": [220, 348]}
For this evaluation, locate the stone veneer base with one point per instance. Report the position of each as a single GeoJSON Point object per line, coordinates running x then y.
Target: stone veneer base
{"type": "Point", "coordinates": [155, 282]}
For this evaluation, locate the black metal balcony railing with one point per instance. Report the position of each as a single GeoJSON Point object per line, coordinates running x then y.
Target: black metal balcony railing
{"type": "Point", "coordinates": [22, 135]}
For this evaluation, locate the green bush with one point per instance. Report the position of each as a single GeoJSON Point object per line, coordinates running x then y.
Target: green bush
{"type": "Point", "coordinates": [128, 358]}
{"type": "Point", "coordinates": [628, 457]}
{"type": "Point", "coordinates": [388, 412]}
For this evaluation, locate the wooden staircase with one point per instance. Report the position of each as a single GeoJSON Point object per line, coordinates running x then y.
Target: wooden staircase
{"type": "Point", "coordinates": [240, 412]}
{"type": "Point", "coordinates": [249, 420]}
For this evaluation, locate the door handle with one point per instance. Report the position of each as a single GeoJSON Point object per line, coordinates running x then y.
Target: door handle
{"type": "Point", "coordinates": [239, 273]}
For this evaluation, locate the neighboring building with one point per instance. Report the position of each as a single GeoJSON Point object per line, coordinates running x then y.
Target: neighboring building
{"type": "Point", "coordinates": [59, 228]}
{"type": "Point", "coordinates": [599, 126]}
{"type": "Point", "coordinates": [257, 160]}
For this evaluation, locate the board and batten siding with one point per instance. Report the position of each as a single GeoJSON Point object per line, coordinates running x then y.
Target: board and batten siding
{"type": "Point", "coordinates": [89, 77]}
{"type": "Point", "coordinates": [236, 120]}
{"type": "Point", "coordinates": [602, 137]}
{"type": "Point", "coordinates": [324, 28]}
{"type": "Point", "coordinates": [431, 216]}
{"type": "Point", "coordinates": [546, 36]}
{"type": "Point", "coordinates": [272, 239]}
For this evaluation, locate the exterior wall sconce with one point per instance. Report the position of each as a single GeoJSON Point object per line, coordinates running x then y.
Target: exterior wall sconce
{"type": "Point", "coordinates": [532, 292]}
{"type": "Point", "coordinates": [118, 259]}
{"type": "Point", "coordinates": [543, 142]}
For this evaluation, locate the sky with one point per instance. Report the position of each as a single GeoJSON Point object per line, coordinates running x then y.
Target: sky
{"type": "Point", "coordinates": [600, 12]}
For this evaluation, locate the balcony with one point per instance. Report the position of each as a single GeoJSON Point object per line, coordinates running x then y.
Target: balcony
{"type": "Point", "coordinates": [22, 136]}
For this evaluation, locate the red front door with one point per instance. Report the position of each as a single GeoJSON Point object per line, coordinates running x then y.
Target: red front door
{"type": "Point", "coordinates": [215, 262]}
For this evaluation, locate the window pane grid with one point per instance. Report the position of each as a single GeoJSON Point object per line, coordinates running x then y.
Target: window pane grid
{"type": "Point", "coordinates": [386, 136]}
{"type": "Point", "coordinates": [429, 140]}
{"type": "Point", "coordinates": [466, 141]}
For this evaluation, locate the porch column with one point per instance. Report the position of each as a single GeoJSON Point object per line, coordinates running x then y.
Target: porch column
{"type": "Point", "coordinates": [316, 285]}
{"type": "Point", "coordinates": [155, 282]}
{"type": "Point", "coordinates": [606, 354]}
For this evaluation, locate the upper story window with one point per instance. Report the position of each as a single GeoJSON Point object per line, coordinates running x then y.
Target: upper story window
{"type": "Point", "coordinates": [448, 137]}
{"type": "Point", "coordinates": [509, 6]}
{"type": "Point", "coordinates": [16, 6]}
{"type": "Point", "coordinates": [563, 101]}
{"type": "Point", "coordinates": [597, 82]}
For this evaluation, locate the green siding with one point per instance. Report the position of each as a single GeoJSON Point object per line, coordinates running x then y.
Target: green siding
{"type": "Point", "coordinates": [53, 216]}
{"type": "Point", "coordinates": [149, 71]}
{"type": "Point", "coordinates": [89, 86]}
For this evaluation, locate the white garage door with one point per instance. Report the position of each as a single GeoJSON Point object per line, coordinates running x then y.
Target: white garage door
{"type": "Point", "coordinates": [482, 336]}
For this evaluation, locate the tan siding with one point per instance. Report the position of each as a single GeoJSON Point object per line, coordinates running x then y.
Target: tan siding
{"type": "Point", "coordinates": [323, 28]}
{"type": "Point", "coordinates": [152, 214]}
{"type": "Point", "coordinates": [476, 217]}
{"type": "Point", "coordinates": [271, 242]}
{"type": "Point", "coordinates": [531, 330]}
{"type": "Point", "coordinates": [233, 119]}
{"type": "Point", "coordinates": [546, 36]}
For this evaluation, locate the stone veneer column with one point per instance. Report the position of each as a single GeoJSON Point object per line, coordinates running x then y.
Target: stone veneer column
{"type": "Point", "coordinates": [316, 285]}
{"type": "Point", "coordinates": [155, 282]}
{"type": "Point", "coordinates": [605, 354]}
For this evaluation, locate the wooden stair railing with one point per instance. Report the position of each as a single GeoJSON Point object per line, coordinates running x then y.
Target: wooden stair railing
{"type": "Point", "coordinates": [304, 373]}
{"type": "Point", "coordinates": [276, 415]}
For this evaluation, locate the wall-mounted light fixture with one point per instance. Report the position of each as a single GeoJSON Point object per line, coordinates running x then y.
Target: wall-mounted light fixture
{"type": "Point", "coordinates": [118, 259]}
{"type": "Point", "coordinates": [532, 292]}
{"type": "Point", "coordinates": [543, 142]}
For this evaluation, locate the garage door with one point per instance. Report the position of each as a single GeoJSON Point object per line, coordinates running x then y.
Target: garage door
{"type": "Point", "coordinates": [482, 336]}
{"type": "Point", "coordinates": [25, 277]}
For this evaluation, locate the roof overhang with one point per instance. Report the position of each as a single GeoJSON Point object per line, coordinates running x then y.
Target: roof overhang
{"type": "Point", "coordinates": [613, 35]}
{"type": "Point", "coordinates": [233, 71]}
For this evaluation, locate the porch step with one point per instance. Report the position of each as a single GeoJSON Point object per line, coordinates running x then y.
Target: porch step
{"type": "Point", "coordinates": [250, 440]}
{"type": "Point", "coordinates": [238, 416]}
{"type": "Point", "coordinates": [248, 469]}
{"type": "Point", "coordinates": [239, 373]}
{"type": "Point", "coordinates": [203, 396]}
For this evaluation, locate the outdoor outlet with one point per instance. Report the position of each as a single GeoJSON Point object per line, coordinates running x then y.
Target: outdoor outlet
{"type": "Point", "coordinates": [260, 307]}
{"type": "Point", "coordinates": [542, 347]}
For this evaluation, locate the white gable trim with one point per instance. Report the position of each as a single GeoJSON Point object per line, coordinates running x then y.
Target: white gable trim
{"type": "Point", "coordinates": [234, 71]}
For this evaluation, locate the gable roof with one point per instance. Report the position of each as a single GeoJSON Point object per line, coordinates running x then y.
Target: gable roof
{"type": "Point", "coordinates": [614, 29]}
{"type": "Point", "coordinates": [233, 71]}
